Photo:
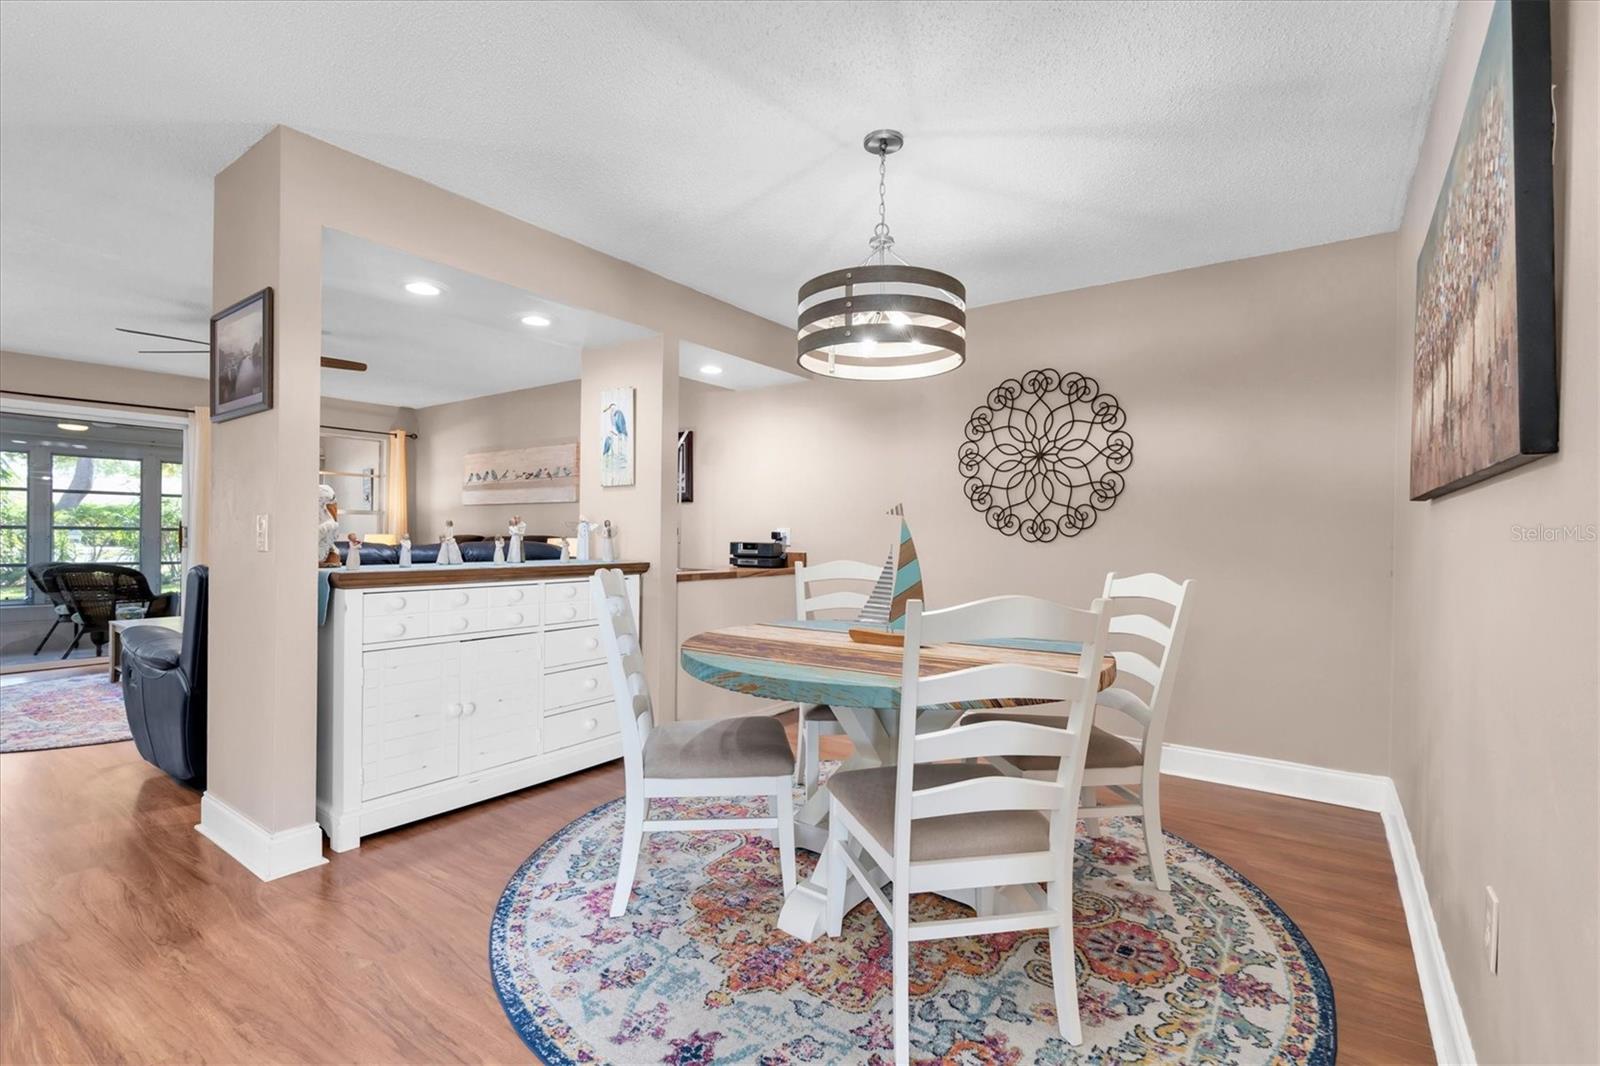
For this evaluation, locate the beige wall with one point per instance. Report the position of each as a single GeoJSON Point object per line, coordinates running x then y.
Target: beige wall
{"type": "Point", "coordinates": [96, 381]}
{"type": "Point", "coordinates": [272, 206]}
{"type": "Point", "coordinates": [1494, 747]}
{"type": "Point", "coordinates": [644, 514]}
{"type": "Point", "coordinates": [704, 605]}
{"type": "Point", "coordinates": [1258, 397]}
{"type": "Point", "coordinates": [447, 432]}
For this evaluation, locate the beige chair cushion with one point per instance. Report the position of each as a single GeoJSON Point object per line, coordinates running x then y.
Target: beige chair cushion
{"type": "Point", "coordinates": [1107, 751]}
{"type": "Point", "coordinates": [726, 747]}
{"type": "Point", "coordinates": [869, 797]}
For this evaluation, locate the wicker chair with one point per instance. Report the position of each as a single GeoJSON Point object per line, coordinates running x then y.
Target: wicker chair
{"type": "Point", "coordinates": [43, 580]}
{"type": "Point", "coordinates": [93, 591]}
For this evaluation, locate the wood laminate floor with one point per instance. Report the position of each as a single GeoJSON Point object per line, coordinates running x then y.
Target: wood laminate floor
{"type": "Point", "coordinates": [126, 936]}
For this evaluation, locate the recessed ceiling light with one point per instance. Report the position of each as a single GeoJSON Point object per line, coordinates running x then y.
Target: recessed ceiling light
{"type": "Point", "coordinates": [423, 288]}
{"type": "Point", "coordinates": [73, 427]}
{"type": "Point", "coordinates": [711, 370]}
{"type": "Point", "coordinates": [535, 320]}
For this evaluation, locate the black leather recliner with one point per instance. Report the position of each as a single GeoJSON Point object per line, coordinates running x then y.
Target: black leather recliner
{"type": "Point", "coordinates": [164, 687]}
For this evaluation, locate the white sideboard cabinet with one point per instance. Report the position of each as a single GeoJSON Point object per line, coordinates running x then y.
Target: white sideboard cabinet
{"type": "Point", "coordinates": [443, 686]}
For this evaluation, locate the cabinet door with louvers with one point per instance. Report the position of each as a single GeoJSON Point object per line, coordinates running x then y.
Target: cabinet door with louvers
{"type": "Point", "coordinates": [410, 725]}
{"type": "Point", "coordinates": [500, 708]}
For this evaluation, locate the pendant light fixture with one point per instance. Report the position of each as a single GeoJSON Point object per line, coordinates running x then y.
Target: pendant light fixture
{"type": "Point", "coordinates": [884, 320]}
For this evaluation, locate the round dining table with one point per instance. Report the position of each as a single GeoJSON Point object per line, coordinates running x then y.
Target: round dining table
{"type": "Point", "coordinates": [818, 662]}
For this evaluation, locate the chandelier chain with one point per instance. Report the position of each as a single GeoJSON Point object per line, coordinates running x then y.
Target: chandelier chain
{"type": "Point", "coordinates": [881, 240]}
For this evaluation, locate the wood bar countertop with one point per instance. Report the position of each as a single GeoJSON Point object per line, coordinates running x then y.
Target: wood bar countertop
{"type": "Point", "coordinates": [726, 573]}
{"type": "Point", "coordinates": [383, 577]}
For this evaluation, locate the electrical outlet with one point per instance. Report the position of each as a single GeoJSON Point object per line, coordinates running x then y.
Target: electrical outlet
{"type": "Point", "coordinates": [1491, 929]}
{"type": "Point", "coordinates": [781, 533]}
{"type": "Point", "coordinates": [261, 532]}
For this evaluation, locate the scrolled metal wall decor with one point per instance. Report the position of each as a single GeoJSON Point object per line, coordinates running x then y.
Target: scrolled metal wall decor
{"type": "Point", "coordinates": [1045, 454]}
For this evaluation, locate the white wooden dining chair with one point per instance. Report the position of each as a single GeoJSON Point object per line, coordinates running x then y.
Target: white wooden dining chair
{"type": "Point", "coordinates": [938, 826]}
{"type": "Point", "coordinates": [1143, 692]}
{"type": "Point", "coordinates": [817, 720]}
{"type": "Point", "coordinates": [721, 757]}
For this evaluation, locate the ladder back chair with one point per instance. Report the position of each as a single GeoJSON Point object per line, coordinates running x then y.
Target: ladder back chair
{"type": "Point", "coordinates": [722, 757]}
{"type": "Point", "coordinates": [1143, 692]}
{"type": "Point", "coordinates": [817, 719]}
{"type": "Point", "coordinates": [933, 825]}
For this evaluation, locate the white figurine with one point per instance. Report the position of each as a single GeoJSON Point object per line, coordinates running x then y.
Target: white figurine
{"type": "Point", "coordinates": [499, 549]}
{"type": "Point", "coordinates": [328, 527]}
{"type": "Point", "coordinates": [608, 542]}
{"type": "Point", "coordinates": [352, 556]}
{"type": "Point", "coordinates": [517, 529]}
{"type": "Point", "coordinates": [583, 539]}
{"type": "Point", "coordinates": [405, 551]}
{"type": "Point", "coordinates": [449, 550]}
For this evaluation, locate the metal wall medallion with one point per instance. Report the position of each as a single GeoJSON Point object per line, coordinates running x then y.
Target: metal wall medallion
{"type": "Point", "coordinates": [1045, 454]}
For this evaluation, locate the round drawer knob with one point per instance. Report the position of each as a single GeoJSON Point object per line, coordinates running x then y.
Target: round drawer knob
{"type": "Point", "coordinates": [453, 711]}
{"type": "Point", "coordinates": [591, 644]}
{"type": "Point", "coordinates": [569, 612]}
{"type": "Point", "coordinates": [397, 605]}
{"type": "Point", "coordinates": [516, 618]}
{"type": "Point", "coordinates": [591, 683]}
{"type": "Point", "coordinates": [397, 631]}
{"type": "Point", "coordinates": [468, 708]}
{"type": "Point", "coordinates": [461, 599]}
{"type": "Point", "coordinates": [460, 623]}
{"type": "Point", "coordinates": [589, 724]}
{"type": "Point", "coordinates": [569, 592]}
{"type": "Point", "coordinates": [515, 597]}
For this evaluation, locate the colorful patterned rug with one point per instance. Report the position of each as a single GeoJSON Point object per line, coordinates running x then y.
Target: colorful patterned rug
{"type": "Point", "coordinates": [61, 713]}
{"type": "Point", "coordinates": [698, 972]}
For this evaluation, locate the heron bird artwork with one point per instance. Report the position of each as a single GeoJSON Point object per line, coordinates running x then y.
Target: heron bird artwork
{"type": "Point", "coordinates": [616, 437]}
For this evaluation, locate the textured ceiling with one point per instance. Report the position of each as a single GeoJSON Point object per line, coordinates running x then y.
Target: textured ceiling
{"type": "Point", "coordinates": [1049, 146]}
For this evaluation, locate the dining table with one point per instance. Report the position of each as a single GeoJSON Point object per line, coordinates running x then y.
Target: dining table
{"type": "Point", "coordinates": [817, 661]}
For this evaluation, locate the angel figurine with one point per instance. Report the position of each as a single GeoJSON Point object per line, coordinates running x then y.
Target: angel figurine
{"type": "Point", "coordinates": [516, 530]}
{"type": "Point", "coordinates": [328, 527]}
{"type": "Point", "coordinates": [352, 557]}
{"type": "Point", "coordinates": [405, 551]}
{"type": "Point", "coordinates": [499, 549]}
{"type": "Point", "coordinates": [449, 550]}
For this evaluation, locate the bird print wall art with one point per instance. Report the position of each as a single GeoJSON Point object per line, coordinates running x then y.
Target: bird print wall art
{"type": "Point", "coordinates": [616, 437]}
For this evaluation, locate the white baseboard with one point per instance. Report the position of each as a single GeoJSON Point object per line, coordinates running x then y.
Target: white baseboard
{"type": "Point", "coordinates": [267, 855]}
{"type": "Point", "coordinates": [1452, 1043]}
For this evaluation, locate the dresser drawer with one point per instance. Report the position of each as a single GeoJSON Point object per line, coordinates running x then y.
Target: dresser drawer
{"type": "Point", "coordinates": [458, 599]}
{"type": "Point", "coordinates": [393, 627]}
{"type": "Point", "coordinates": [381, 604]}
{"type": "Point", "coordinates": [566, 646]}
{"type": "Point", "coordinates": [572, 687]}
{"type": "Point", "coordinates": [514, 617]}
{"type": "Point", "coordinates": [563, 592]}
{"type": "Point", "coordinates": [556, 614]}
{"type": "Point", "coordinates": [575, 727]}
{"type": "Point", "coordinates": [455, 623]}
{"type": "Point", "coordinates": [513, 595]}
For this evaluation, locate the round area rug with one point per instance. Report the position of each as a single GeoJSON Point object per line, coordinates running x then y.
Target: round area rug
{"type": "Point", "coordinates": [698, 972]}
{"type": "Point", "coordinates": [61, 713]}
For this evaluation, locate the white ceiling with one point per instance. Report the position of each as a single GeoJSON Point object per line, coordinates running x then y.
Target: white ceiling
{"type": "Point", "coordinates": [1050, 146]}
{"type": "Point", "coordinates": [424, 350]}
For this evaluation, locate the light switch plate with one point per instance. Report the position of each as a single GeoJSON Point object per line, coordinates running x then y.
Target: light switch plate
{"type": "Point", "coordinates": [261, 532]}
{"type": "Point", "coordinates": [1491, 929]}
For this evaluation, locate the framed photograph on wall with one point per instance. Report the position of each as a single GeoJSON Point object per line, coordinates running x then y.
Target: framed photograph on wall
{"type": "Point", "coordinates": [241, 358]}
{"type": "Point", "coordinates": [1483, 386]}
{"type": "Point", "coordinates": [685, 466]}
{"type": "Point", "coordinates": [541, 473]}
{"type": "Point", "coordinates": [616, 437]}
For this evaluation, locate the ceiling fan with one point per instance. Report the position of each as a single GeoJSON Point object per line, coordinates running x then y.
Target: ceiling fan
{"type": "Point", "coordinates": [328, 362]}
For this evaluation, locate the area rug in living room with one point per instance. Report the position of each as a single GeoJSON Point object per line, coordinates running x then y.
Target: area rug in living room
{"type": "Point", "coordinates": [698, 972]}
{"type": "Point", "coordinates": [64, 712]}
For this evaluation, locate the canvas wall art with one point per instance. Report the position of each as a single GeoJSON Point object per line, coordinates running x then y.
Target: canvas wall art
{"type": "Point", "coordinates": [544, 473]}
{"type": "Point", "coordinates": [1483, 397]}
{"type": "Point", "coordinates": [616, 437]}
{"type": "Point", "coordinates": [241, 358]}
